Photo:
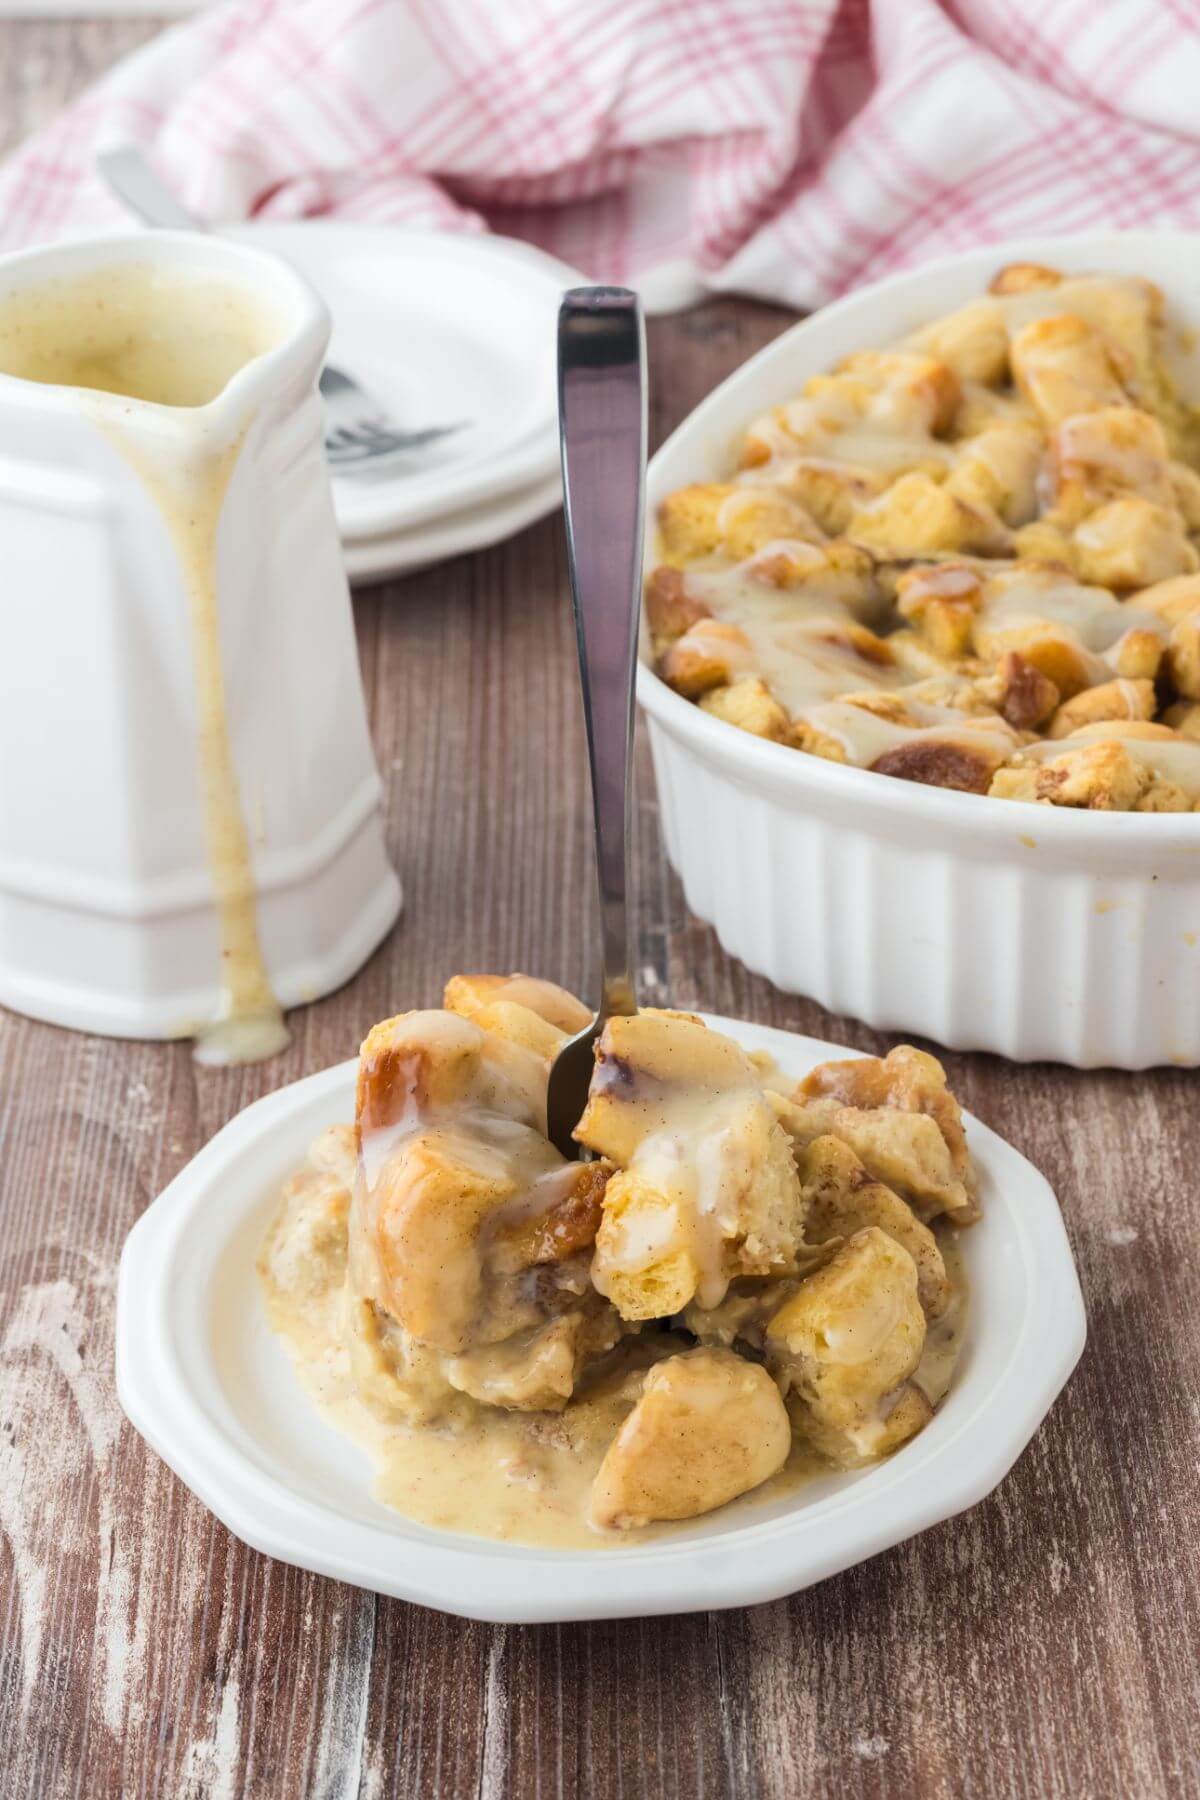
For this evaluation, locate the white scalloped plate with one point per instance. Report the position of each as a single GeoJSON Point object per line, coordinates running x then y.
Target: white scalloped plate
{"type": "Point", "coordinates": [210, 1388]}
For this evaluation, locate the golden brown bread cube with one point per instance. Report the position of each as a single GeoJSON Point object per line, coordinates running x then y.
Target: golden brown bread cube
{"type": "Point", "coordinates": [917, 516]}
{"type": "Point", "coordinates": [1063, 366]}
{"type": "Point", "coordinates": [700, 520]}
{"type": "Point", "coordinates": [1171, 600]}
{"type": "Point", "coordinates": [1128, 309]}
{"type": "Point", "coordinates": [908, 1079]}
{"type": "Point", "coordinates": [1019, 691]}
{"type": "Point", "coordinates": [464, 1250]}
{"type": "Point", "coordinates": [709, 1426]}
{"type": "Point", "coordinates": [1185, 492]}
{"type": "Point", "coordinates": [998, 469]}
{"type": "Point", "coordinates": [643, 1063]}
{"type": "Point", "coordinates": [416, 1063]}
{"type": "Point", "coordinates": [1023, 278]}
{"type": "Point", "coordinates": [752, 517]}
{"type": "Point", "coordinates": [457, 1187]}
{"type": "Point", "coordinates": [420, 1064]}
{"type": "Point", "coordinates": [1121, 731]}
{"type": "Point", "coordinates": [915, 655]}
{"type": "Point", "coordinates": [1098, 456]}
{"type": "Point", "coordinates": [534, 1370]}
{"type": "Point", "coordinates": [972, 342]}
{"type": "Point", "coordinates": [1100, 776]}
{"type": "Point", "coordinates": [670, 608]}
{"type": "Point", "coordinates": [961, 689]}
{"type": "Point", "coordinates": [1118, 699]}
{"type": "Point", "coordinates": [1183, 658]}
{"type": "Point", "coordinates": [922, 392]}
{"type": "Point", "coordinates": [845, 1346]}
{"type": "Point", "coordinates": [865, 652]}
{"type": "Point", "coordinates": [708, 1187]}
{"type": "Point", "coordinates": [907, 1151]}
{"type": "Point", "coordinates": [1052, 648]}
{"type": "Point", "coordinates": [556, 1005]}
{"type": "Point", "coordinates": [1053, 651]}
{"type": "Point", "coordinates": [842, 1199]}
{"type": "Point", "coordinates": [423, 1222]}
{"type": "Point", "coordinates": [813, 741]}
{"type": "Point", "coordinates": [837, 571]}
{"type": "Point", "coordinates": [750, 705]}
{"type": "Point", "coordinates": [1165, 796]}
{"type": "Point", "coordinates": [948, 578]}
{"type": "Point", "coordinates": [941, 600]}
{"type": "Point", "coordinates": [529, 1237]}
{"type": "Point", "coordinates": [305, 1255]}
{"type": "Point", "coordinates": [1137, 654]}
{"type": "Point", "coordinates": [984, 407]}
{"type": "Point", "coordinates": [831, 491]}
{"type": "Point", "coordinates": [697, 1207]}
{"type": "Point", "coordinates": [1045, 541]}
{"type": "Point", "coordinates": [688, 520]}
{"type": "Point", "coordinates": [893, 707]}
{"type": "Point", "coordinates": [1127, 312]}
{"type": "Point", "coordinates": [1177, 604]}
{"type": "Point", "coordinates": [901, 1415]}
{"type": "Point", "coordinates": [537, 1014]}
{"type": "Point", "coordinates": [1132, 543]}
{"type": "Point", "coordinates": [645, 1263]}
{"type": "Point", "coordinates": [710, 654]}
{"type": "Point", "coordinates": [1184, 717]}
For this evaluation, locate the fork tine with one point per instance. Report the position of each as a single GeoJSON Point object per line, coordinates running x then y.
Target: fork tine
{"type": "Point", "coordinates": [372, 444]}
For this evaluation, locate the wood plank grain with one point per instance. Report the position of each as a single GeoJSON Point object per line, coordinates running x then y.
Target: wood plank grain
{"type": "Point", "coordinates": [1047, 1643]}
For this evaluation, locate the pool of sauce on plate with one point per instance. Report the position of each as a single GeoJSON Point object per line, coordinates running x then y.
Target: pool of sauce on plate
{"type": "Point", "coordinates": [152, 348]}
{"type": "Point", "coordinates": [526, 1477]}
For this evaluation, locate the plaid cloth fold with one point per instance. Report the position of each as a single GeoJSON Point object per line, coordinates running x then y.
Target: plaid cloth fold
{"type": "Point", "coordinates": [786, 148]}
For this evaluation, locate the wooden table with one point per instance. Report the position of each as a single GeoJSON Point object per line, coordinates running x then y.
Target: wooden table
{"type": "Point", "coordinates": [1046, 1644]}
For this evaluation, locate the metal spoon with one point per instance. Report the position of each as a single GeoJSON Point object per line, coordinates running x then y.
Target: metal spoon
{"type": "Point", "coordinates": [357, 434]}
{"type": "Point", "coordinates": [602, 434]}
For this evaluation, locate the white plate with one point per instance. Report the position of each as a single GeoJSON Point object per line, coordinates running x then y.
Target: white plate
{"type": "Point", "coordinates": [212, 1390]}
{"type": "Point", "coordinates": [439, 327]}
{"type": "Point", "coordinates": [377, 559]}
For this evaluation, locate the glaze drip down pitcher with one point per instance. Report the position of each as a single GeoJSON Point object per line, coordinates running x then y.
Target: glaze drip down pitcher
{"type": "Point", "coordinates": [190, 826]}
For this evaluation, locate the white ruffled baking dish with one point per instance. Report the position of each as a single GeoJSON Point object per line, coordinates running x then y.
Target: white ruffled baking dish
{"type": "Point", "coordinates": [984, 924]}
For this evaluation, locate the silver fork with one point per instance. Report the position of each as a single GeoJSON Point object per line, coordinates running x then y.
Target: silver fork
{"type": "Point", "coordinates": [602, 434]}
{"type": "Point", "coordinates": [357, 434]}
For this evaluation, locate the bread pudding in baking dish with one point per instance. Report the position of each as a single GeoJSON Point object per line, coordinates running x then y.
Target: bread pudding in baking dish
{"type": "Point", "coordinates": [748, 1281]}
{"type": "Point", "coordinates": [969, 559]}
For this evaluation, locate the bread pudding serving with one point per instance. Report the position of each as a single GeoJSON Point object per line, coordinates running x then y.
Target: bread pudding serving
{"type": "Point", "coordinates": [968, 560]}
{"type": "Point", "coordinates": [747, 1282]}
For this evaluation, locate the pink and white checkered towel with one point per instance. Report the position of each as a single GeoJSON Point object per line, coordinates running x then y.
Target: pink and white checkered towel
{"type": "Point", "coordinates": [786, 148]}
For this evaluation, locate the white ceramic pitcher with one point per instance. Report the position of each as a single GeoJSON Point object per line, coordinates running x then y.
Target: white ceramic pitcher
{"type": "Point", "coordinates": [189, 807]}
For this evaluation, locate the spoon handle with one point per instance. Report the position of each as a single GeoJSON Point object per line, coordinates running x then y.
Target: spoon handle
{"type": "Point", "coordinates": [602, 435]}
{"type": "Point", "coordinates": [131, 178]}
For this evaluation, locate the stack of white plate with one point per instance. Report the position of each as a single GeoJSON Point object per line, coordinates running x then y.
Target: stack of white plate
{"type": "Point", "coordinates": [440, 329]}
